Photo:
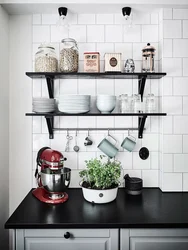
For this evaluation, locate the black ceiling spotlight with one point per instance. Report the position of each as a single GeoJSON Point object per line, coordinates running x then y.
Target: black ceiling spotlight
{"type": "Point", "coordinates": [62, 11]}
{"type": "Point", "coordinates": [126, 12]}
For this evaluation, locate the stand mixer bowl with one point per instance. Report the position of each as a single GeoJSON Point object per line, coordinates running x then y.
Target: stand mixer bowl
{"type": "Point", "coordinates": [55, 181]}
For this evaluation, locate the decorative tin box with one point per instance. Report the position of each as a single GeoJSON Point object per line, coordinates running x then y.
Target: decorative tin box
{"type": "Point", "coordinates": [91, 62]}
{"type": "Point", "coordinates": [112, 62]}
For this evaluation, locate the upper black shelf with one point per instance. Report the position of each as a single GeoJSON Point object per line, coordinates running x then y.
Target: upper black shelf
{"type": "Point", "coordinates": [108, 75]}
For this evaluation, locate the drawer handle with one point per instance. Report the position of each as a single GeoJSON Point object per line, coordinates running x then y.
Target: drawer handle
{"type": "Point", "coordinates": [67, 235]}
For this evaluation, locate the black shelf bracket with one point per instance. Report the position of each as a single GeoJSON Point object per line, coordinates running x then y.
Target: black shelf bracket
{"type": "Point", "coordinates": [141, 121]}
{"type": "Point", "coordinates": [50, 85]}
{"type": "Point", "coordinates": [141, 85]}
{"type": "Point", "coordinates": [50, 125]}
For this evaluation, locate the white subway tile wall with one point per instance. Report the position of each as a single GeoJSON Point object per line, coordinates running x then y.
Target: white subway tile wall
{"type": "Point", "coordinates": [167, 13]}
{"type": "Point", "coordinates": [172, 182]}
{"type": "Point", "coordinates": [109, 33]}
{"type": "Point", "coordinates": [175, 100]}
{"type": "Point", "coordinates": [172, 29]}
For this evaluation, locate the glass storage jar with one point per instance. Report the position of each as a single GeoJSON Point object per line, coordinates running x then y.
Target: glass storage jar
{"type": "Point", "coordinates": [68, 61]}
{"type": "Point", "coordinates": [46, 59]}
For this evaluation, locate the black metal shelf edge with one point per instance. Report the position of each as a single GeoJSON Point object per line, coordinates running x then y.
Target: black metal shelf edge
{"type": "Point", "coordinates": [95, 114]}
{"type": "Point", "coordinates": [120, 75]}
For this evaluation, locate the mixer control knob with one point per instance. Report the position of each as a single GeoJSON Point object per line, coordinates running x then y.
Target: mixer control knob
{"type": "Point", "coordinates": [67, 235]}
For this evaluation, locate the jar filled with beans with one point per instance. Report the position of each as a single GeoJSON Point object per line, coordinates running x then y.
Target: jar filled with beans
{"type": "Point", "coordinates": [69, 56]}
{"type": "Point", "coordinates": [46, 59]}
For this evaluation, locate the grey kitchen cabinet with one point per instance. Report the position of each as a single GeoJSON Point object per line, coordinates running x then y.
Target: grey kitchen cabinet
{"type": "Point", "coordinates": [155, 239]}
{"type": "Point", "coordinates": [66, 239]}
{"type": "Point", "coordinates": [101, 239]}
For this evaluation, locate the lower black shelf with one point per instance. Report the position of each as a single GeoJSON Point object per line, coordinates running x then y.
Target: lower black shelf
{"type": "Point", "coordinates": [141, 119]}
{"type": "Point", "coordinates": [95, 114]}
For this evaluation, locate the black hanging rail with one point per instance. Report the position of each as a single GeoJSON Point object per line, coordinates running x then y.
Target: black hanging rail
{"type": "Point", "coordinates": [50, 121]}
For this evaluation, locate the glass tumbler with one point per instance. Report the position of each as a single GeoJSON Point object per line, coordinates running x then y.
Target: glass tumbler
{"type": "Point", "coordinates": [123, 103]}
{"type": "Point", "coordinates": [150, 103]}
{"type": "Point", "coordinates": [137, 103]}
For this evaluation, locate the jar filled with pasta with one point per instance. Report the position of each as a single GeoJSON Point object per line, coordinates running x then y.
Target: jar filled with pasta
{"type": "Point", "coordinates": [69, 56]}
{"type": "Point", "coordinates": [46, 59]}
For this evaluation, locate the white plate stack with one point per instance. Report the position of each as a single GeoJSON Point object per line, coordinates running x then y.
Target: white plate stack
{"type": "Point", "coordinates": [44, 105]}
{"type": "Point", "coordinates": [74, 104]}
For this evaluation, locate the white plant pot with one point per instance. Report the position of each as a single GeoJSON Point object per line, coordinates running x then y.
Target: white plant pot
{"type": "Point", "coordinates": [99, 196]}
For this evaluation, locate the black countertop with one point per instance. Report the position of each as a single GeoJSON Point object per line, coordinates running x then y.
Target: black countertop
{"type": "Point", "coordinates": [152, 209]}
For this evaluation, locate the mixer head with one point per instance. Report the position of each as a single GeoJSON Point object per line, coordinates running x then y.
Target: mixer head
{"type": "Point", "coordinates": [49, 158]}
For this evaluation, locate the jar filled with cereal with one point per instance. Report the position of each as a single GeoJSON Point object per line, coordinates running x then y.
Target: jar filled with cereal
{"type": "Point", "coordinates": [69, 56]}
{"type": "Point", "coordinates": [46, 59]}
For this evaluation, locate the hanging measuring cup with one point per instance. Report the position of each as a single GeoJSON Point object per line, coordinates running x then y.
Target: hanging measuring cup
{"type": "Point", "coordinates": [107, 147]}
{"type": "Point", "coordinates": [129, 142]}
{"type": "Point", "coordinates": [88, 141]}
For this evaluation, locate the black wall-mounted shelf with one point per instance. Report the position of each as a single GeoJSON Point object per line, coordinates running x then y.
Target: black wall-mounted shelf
{"type": "Point", "coordinates": [95, 114]}
{"type": "Point", "coordinates": [82, 75]}
{"type": "Point", "coordinates": [50, 77]}
{"type": "Point", "coordinates": [50, 119]}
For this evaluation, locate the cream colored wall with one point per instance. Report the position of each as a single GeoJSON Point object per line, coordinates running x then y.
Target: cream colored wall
{"type": "Point", "coordinates": [4, 127]}
{"type": "Point", "coordinates": [20, 157]}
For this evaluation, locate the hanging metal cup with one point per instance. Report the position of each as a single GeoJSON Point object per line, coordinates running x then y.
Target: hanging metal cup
{"type": "Point", "coordinates": [107, 147]}
{"type": "Point", "coordinates": [129, 142]}
{"type": "Point", "coordinates": [88, 141]}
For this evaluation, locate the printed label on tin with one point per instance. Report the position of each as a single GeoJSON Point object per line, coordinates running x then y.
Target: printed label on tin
{"type": "Point", "coordinates": [113, 62]}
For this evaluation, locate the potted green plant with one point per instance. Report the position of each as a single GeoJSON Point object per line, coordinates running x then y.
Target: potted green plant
{"type": "Point", "coordinates": [100, 179]}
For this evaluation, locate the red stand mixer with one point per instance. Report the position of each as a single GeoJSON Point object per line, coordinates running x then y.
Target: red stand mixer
{"type": "Point", "coordinates": [53, 178]}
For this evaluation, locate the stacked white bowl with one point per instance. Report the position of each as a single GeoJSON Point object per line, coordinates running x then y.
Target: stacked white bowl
{"type": "Point", "coordinates": [106, 103]}
{"type": "Point", "coordinates": [43, 105]}
{"type": "Point", "coordinates": [74, 104]}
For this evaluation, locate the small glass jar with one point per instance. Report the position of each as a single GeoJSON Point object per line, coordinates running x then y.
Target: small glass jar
{"type": "Point", "coordinates": [137, 103]}
{"type": "Point", "coordinates": [150, 103]}
{"type": "Point", "coordinates": [123, 103]}
{"type": "Point", "coordinates": [69, 56]}
{"type": "Point", "coordinates": [129, 66]}
{"type": "Point", "coordinates": [46, 59]}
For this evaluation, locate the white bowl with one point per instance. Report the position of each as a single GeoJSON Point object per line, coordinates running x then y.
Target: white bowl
{"type": "Point", "coordinates": [99, 196]}
{"type": "Point", "coordinates": [106, 107]}
{"type": "Point", "coordinates": [106, 96]}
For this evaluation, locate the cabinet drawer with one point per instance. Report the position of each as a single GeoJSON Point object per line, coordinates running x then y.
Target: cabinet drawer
{"type": "Point", "coordinates": [69, 244]}
{"type": "Point", "coordinates": [76, 233]}
{"type": "Point", "coordinates": [154, 239]}
{"type": "Point", "coordinates": [67, 239]}
{"type": "Point", "coordinates": [158, 243]}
